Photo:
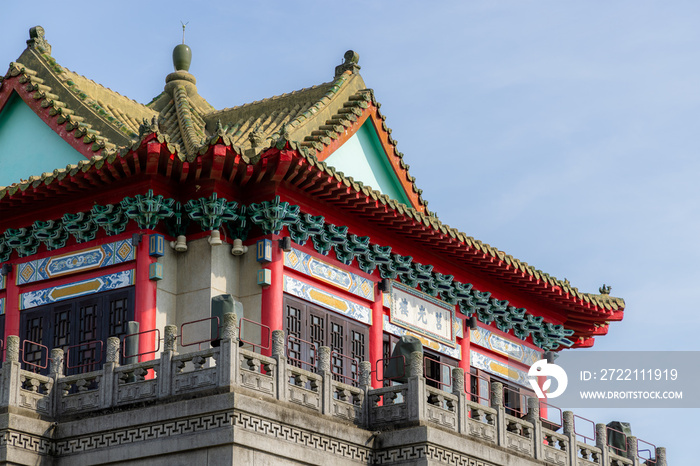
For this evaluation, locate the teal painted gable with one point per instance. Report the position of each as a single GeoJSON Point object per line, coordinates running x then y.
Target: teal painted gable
{"type": "Point", "coordinates": [28, 146]}
{"type": "Point", "coordinates": [363, 157]}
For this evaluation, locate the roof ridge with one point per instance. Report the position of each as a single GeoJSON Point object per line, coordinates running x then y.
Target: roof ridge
{"type": "Point", "coordinates": [268, 99]}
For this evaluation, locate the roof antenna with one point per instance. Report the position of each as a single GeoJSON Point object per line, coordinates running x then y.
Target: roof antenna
{"type": "Point", "coordinates": [183, 30]}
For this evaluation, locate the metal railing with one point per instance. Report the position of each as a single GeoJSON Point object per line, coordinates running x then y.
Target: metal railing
{"type": "Point", "coordinates": [385, 365]}
{"type": "Point", "coordinates": [354, 364]}
{"type": "Point", "coordinates": [260, 345]}
{"type": "Point", "coordinates": [35, 367]}
{"type": "Point", "coordinates": [477, 397]}
{"type": "Point", "coordinates": [298, 342]}
{"type": "Point", "coordinates": [208, 331]}
{"type": "Point", "coordinates": [138, 355]}
{"type": "Point", "coordinates": [440, 365]}
{"type": "Point", "coordinates": [94, 362]}
{"type": "Point", "coordinates": [585, 437]}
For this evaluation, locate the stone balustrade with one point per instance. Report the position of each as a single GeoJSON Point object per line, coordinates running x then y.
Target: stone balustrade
{"type": "Point", "coordinates": [228, 368]}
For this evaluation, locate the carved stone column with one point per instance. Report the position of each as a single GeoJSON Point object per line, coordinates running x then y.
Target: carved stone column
{"type": "Point", "coordinates": [166, 373]}
{"type": "Point", "coordinates": [601, 441]}
{"type": "Point", "coordinates": [570, 431]}
{"type": "Point", "coordinates": [497, 404]}
{"type": "Point", "coordinates": [660, 456]}
{"type": "Point", "coordinates": [416, 398]}
{"type": "Point", "coordinates": [228, 351]}
{"type": "Point", "coordinates": [533, 416]}
{"type": "Point", "coordinates": [281, 359]}
{"type": "Point", "coordinates": [324, 370]}
{"type": "Point", "coordinates": [11, 368]}
{"type": "Point", "coordinates": [462, 407]}
{"type": "Point", "coordinates": [56, 363]}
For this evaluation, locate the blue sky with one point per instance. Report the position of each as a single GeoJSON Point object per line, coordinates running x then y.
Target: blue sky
{"type": "Point", "coordinates": [564, 133]}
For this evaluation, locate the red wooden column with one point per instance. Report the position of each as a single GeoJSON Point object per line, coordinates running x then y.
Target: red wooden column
{"type": "Point", "coordinates": [146, 289]}
{"type": "Point", "coordinates": [465, 362]}
{"type": "Point", "coordinates": [272, 311]}
{"type": "Point", "coordinates": [376, 338]}
{"type": "Point", "coordinates": [11, 304]}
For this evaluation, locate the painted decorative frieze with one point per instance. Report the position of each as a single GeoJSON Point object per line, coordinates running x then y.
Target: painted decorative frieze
{"type": "Point", "coordinates": [506, 347]}
{"type": "Point", "coordinates": [422, 314]}
{"type": "Point", "coordinates": [73, 290]}
{"type": "Point", "coordinates": [2, 282]}
{"type": "Point", "coordinates": [490, 365]}
{"type": "Point", "coordinates": [453, 352]}
{"type": "Point", "coordinates": [74, 262]}
{"type": "Point", "coordinates": [2, 306]}
{"type": "Point", "coordinates": [318, 296]}
{"type": "Point", "coordinates": [316, 268]}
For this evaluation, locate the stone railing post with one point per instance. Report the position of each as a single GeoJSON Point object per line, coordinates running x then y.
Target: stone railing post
{"type": "Point", "coordinates": [108, 384]}
{"type": "Point", "coordinates": [601, 441]}
{"type": "Point", "coordinates": [632, 450]}
{"type": "Point", "coordinates": [165, 374]}
{"type": "Point", "coordinates": [11, 367]}
{"type": "Point", "coordinates": [56, 363]}
{"type": "Point", "coordinates": [660, 456]}
{"type": "Point", "coordinates": [366, 386]}
{"type": "Point", "coordinates": [281, 359]}
{"type": "Point", "coordinates": [533, 416]}
{"type": "Point", "coordinates": [570, 432]}
{"type": "Point", "coordinates": [56, 372]}
{"type": "Point", "coordinates": [324, 370]}
{"type": "Point", "coordinates": [497, 404]}
{"type": "Point", "coordinates": [416, 398]}
{"type": "Point", "coordinates": [228, 351]}
{"type": "Point", "coordinates": [458, 390]}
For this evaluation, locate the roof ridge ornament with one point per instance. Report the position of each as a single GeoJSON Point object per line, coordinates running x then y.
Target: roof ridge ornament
{"type": "Point", "coordinates": [182, 54]}
{"type": "Point", "coordinates": [351, 58]}
{"type": "Point", "coordinates": [605, 289]}
{"type": "Point", "coordinates": [37, 40]}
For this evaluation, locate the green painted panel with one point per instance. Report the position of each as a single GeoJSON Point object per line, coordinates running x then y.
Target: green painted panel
{"type": "Point", "coordinates": [28, 146]}
{"type": "Point", "coordinates": [363, 157]}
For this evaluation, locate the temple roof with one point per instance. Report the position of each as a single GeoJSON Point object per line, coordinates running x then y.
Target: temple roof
{"type": "Point", "coordinates": [105, 126]}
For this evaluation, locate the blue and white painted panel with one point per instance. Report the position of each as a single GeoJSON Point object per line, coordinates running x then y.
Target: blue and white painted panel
{"type": "Point", "coordinates": [509, 348]}
{"type": "Point", "coordinates": [313, 267]}
{"type": "Point", "coordinates": [422, 314]}
{"type": "Point", "coordinates": [490, 365]}
{"type": "Point", "coordinates": [455, 353]}
{"type": "Point", "coordinates": [2, 306]}
{"type": "Point", "coordinates": [74, 262]}
{"type": "Point", "coordinates": [73, 290]}
{"type": "Point", "coordinates": [2, 282]}
{"type": "Point", "coordinates": [323, 298]}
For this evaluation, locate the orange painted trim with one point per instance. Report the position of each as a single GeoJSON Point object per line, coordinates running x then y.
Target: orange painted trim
{"type": "Point", "coordinates": [371, 113]}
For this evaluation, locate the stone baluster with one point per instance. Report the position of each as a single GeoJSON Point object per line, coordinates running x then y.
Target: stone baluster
{"type": "Point", "coordinates": [462, 407]}
{"type": "Point", "coordinates": [366, 386]}
{"type": "Point", "coordinates": [632, 450]}
{"type": "Point", "coordinates": [533, 416]}
{"type": "Point", "coordinates": [165, 374]}
{"type": "Point", "coordinates": [324, 370]}
{"type": "Point", "coordinates": [56, 363]}
{"type": "Point", "coordinates": [497, 404]}
{"type": "Point", "coordinates": [660, 456]}
{"type": "Point", "coordinates": [416, 399]}
{"type": "Point", "coordinates": [601, 441]}
{"type": "Point", "coordinates": [11, 373]}
{"type": "Point", "coordinates": [281, 359]}
{"type": "Point", "coordinates": [570, 432]}
{"type": "Point", "coordinates": [56, 372]}
{"type": "Point", "coordinates": [228, 362]}
{"type": "Point", "coordinates": [109, 383]}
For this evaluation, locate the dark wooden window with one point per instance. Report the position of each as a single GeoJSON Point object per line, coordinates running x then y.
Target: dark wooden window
{"type": "Point", "coordinates": [76, 324]}
{"type": "Point", "coordinates": [311, 327]}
